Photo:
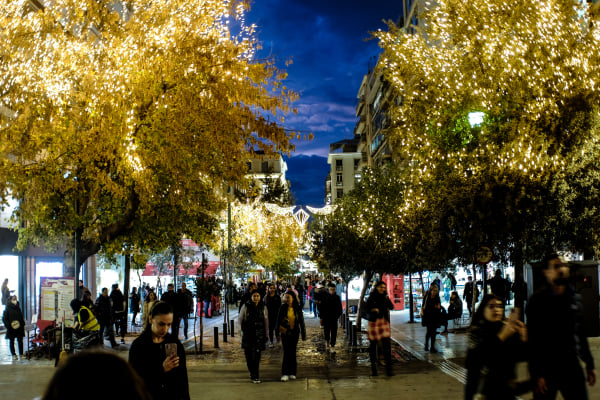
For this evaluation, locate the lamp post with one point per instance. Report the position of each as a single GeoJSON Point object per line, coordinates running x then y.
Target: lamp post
{"type": "Point", "coordinates": [223, 226]}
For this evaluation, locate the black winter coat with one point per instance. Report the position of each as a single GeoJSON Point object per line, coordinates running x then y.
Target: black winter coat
{"type": "Point", "coordinates": [12, 313]}
{"type": "Point", "coordinates": [147, 357]}
{"type": "Point", "coordinates": [331, 307]}
{"type": "Point", "coordinates": [556, 336]}
{"type": "Point", "coordinates": [134, 302]}
{"type": "Point", "coordinates": [273, 304]}
{"type": "Point", "coordinates": [493, 358]}
{"type": "Point", "coordinates": [380, 302]}
{"type": "Point", "coordinates": [254, 321]}
{"type": "Point", "coordinates": [174, 300]}
{"type": "Point", "coordinates": [103, 310]}
{"type": "Point", "coordinates": [432, 310]}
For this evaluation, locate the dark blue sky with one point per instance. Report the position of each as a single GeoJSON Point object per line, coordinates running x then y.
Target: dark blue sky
{"type": "Point", "coordinates": [325, 39]}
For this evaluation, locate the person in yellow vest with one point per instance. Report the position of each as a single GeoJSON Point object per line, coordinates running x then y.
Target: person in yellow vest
{"type": "Point", "coordinates": [86, 327]}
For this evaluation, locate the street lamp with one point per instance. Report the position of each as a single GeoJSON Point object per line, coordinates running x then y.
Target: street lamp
{"type": "Point", "coordinates": [476, 118]}
{"type": "Point", "coordinates": [223, 226]}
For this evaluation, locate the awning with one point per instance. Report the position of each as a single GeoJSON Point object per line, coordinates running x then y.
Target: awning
{"type": "Point", "coordinates": [194, 269]}
{"type": "Point", "coordinates": [152, 270]}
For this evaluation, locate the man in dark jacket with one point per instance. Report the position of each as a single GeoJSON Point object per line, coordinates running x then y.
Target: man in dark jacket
{"type": "Point", "coordinates": [331, 310]}
{"type": "Point", "coordinates": [470, 287]}
{"type": "Point", "coordinates": [171, 298]}
{"type": "Point", "coordinates": [247, 294]}
{"type": "Point", "coordinates": [104, 317]}
{"type": "Point", "coordinates": [556, 338]}
{"type": "Point", "coordinates": [119, 311]}
{"type": "Point", "coordinates": [186, 298]}
{"type": "Point", "coordinates": [499, 286]}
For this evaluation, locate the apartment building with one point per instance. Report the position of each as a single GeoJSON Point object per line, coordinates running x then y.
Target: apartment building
{"type": "Point", "coordinates": [344, 159]}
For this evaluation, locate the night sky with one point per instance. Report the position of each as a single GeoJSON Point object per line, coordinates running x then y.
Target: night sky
{"type": "Point", "coordinates": [325, 39]}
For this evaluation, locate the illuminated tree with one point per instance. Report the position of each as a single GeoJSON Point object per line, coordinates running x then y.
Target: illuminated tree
{"type": "Point", "coordinates": [363, 234]}
{"type": "Point", "coordinates": [497, 123]}
{"type": "Point", "coordinates": [121, 120]}
{"type": "Point", "coordinates": [266, 234]}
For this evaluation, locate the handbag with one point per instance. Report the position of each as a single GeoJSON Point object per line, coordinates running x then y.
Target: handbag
{"type": "Point", "coordinates": [15, 324]}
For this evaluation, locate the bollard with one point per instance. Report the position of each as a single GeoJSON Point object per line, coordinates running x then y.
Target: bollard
{"type": "Point", "coordinates": [224, 332]}
{"type": "Point", "coordinates": [349, 328]}
{"type": "Point", "coordinates": [231, 322]}
{"type": "Point", "coordinates": [347, 324]}
{"type": "Point", "coordinates": [354, 335]}
{"type": "Point", "coordinates": [216, 337]}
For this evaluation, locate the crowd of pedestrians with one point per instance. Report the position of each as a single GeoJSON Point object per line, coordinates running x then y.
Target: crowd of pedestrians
{"type": "Point", "coordinates": [552, 342]}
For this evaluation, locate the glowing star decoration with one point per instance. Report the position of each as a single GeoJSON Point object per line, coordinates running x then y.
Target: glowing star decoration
{"type": "Point", "coordinates": [301, 217]}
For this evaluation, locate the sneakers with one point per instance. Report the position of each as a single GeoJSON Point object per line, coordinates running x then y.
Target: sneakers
{"type": "Point", "coordinates": [15, 357]}
{"type": "Point", "coordinates": [271, 344]}
{"type": "Point", "coordinates": [433, 349]}
{"type": "Point", "coordinates": [332, 350]}
{"type": "Point", "coordinates": [123, 341]}
{"type": "Point", "coordinates": [285, 378]}
{"type": "Point", "coordinates": [256, 381]}
{"type": "Point", "coordinates": [293, 377]}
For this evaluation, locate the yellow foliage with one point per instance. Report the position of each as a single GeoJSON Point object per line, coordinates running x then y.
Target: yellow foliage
{"type": "Point", "coordinates": [124, 123]}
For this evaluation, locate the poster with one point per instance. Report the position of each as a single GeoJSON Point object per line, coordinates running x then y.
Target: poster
{"type": "Point", "coordinates": [395, 288]}
{"type": "Point", "coordinates": [55, 298]}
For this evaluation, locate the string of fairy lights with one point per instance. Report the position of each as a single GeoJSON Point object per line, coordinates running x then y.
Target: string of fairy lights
{"type": "Point", "coordinates": [51, 58]}
{"type": "Point", "coordinates": [519, 58]}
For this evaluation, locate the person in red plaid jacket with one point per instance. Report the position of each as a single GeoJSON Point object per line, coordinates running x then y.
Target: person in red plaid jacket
{"type": "Point", "coordinates": [378, 308]}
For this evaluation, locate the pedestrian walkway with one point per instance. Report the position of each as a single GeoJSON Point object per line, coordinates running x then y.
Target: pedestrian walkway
{"type": "Point", "coordinates": [453, 349]}
{"type": "Point", "coordinates": [219, 373]}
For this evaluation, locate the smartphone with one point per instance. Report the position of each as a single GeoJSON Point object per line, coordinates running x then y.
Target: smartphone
{"type": "Point", "coordinates": [170, 349]}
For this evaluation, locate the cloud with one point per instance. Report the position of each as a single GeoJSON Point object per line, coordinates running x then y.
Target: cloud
{"type": "Point", "coordinates": [325, 39]}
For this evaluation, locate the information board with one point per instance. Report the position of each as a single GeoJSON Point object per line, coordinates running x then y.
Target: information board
{"type": "Point", "coordinates": [55, 298]}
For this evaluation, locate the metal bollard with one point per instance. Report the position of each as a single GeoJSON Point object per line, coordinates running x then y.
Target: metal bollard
{"type": "Point", "coordinates": [349, 333]}
{"type": "Point", "coordinates": [224, 332]}
{"type": "Point", "coordinates": [216, 337]}
{"type": "Point", "coordinates": [231, 323]}
{"type": "Point", "coordinates": [354, 335]}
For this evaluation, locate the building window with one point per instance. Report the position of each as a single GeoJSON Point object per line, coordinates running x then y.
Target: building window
{"type": "Point", "coordinates": [265, 166]}
{"type": "Point", "coordinates": [339, 180]}
{"type": "Point", "coordinates": [340, 193]}
{"type": "Point", "coordinates": [338, 165]}
{"type": "Point", "coordinates": [249, 165]}
{"type": "Point", "coordinates": [356, 163]}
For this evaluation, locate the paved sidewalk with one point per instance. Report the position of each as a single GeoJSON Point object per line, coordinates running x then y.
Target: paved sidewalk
{"type": "Point", "coordinates": [453, 349]}
{"type": "Point", "coordinates": [220, 373]}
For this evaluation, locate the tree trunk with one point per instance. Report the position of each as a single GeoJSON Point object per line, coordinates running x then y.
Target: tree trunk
{"type": "Point", "coordinates": [410, 299]}
{"type": "Point", "coordinates": [422, 283]}
{"type": "Point", "coordinates": [474, 289]}
{"type": "Point", "coordinates": [126, 288]}
{"type": "Point", "coordinates": [367, 275]}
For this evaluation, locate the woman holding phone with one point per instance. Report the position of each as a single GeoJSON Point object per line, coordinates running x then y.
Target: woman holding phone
{"type": "Point", "coordinates": [495, 345]}
{"type": "Point", "coordinates": [159, 358]}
